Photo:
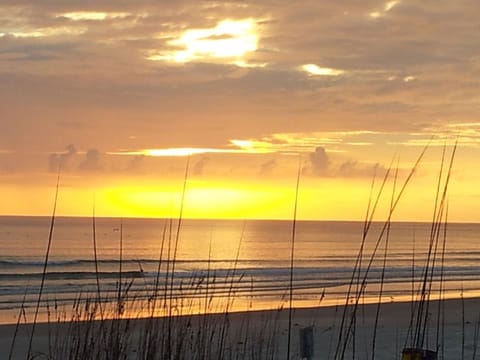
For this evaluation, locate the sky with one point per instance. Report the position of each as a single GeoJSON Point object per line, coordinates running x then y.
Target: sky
{"type": "Point", "coordinates": [127, 99]}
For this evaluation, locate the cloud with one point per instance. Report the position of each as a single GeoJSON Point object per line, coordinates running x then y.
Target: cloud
{"type": "Point", "coordinates": [135, 164]}
{"type": "Point", "coordinates": [60, 161]}
{"type": "Point", "coordinates": [386, 8]}
{"type": "Point", "coordinates": [316, 70]}
{"type": "Point", "coordinates": [199, 166]}
{"type": "Point", "coordinates": [92, 15]}
{"type": "Point", "coordinates": [45, 32]}
{"type": "Point", "coordinates": [88, 64]}
{"type": "Point", "coordinates": [321, 164]}
{"type": "Point", "coordinates": [91, 161]}
{"type": "Point", "coordinates": [319, 161]}
{"type": "Point", "coordinates": [352, 168]}
{"type": "Point", "coordinates": [17, 50]}
{"type": "Point", "coordinates": [229, 39]}
{"type": "Point", "coordinates": [267, 167]}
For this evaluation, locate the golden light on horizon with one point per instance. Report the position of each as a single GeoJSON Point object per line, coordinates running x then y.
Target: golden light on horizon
{"type": "Point", "coordinates": [170, 152]}
{"type": "Point", "coordinates": [176, 151]}
{"type": "Point", "coordinates": [203, 200]}
{"type": "Point", "coordinates": [229, 39]}
{"type": "Point", "coordinates": [241, 147]}
{"type": "Point", "coordinates": [233, 197]}
{"type": "Point", "coordinates": [254, 199]}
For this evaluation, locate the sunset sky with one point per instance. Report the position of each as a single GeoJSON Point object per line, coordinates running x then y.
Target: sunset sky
{"type": "Point", "coordinates": [122, 93]}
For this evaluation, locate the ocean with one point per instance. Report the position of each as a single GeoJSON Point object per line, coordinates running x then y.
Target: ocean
{"type": "Point", "coordinates": [243, 263]}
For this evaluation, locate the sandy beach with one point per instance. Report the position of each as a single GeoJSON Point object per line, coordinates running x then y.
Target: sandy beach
{"type": "Point", "coordinates": [263, 334]}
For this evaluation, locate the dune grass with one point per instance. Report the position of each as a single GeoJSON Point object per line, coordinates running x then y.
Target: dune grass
{"type": "Point", "coordinates": [177, 325]}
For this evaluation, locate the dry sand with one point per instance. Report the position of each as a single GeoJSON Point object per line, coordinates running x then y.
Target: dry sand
{"type": "Point", "coordinates": [260, 325]}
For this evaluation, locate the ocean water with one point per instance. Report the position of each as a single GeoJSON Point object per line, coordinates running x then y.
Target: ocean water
{"type": "Point", "coordinates": [243, 263]}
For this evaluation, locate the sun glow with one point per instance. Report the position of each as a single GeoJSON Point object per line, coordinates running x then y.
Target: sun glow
{"type": "Point", "coordinates": [212, 199]}
{"type": "Point", "coordinates": [169, 152]}
{"type": "Point", "coordinates": [230, 39]}
{"type": "Point", "coordinates": [176, 151]}
{"type": "Point", "coordinates": [227, 199]}
{"type": "Point", "coordinates": [239, 147]}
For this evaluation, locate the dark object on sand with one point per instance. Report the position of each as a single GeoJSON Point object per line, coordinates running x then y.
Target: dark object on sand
{"type": "Point", "coordinates": [306, 343]}
{"type": "Point", "coordinates": [418, 354]}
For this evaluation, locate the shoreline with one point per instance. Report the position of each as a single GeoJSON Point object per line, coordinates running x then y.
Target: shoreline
{"type": "Point", "coordinates": [272, 325]}
{"type": "Point", "coordinates": [239, 305]}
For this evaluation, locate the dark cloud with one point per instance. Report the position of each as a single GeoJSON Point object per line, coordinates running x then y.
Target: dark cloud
{"type": "Point", "coordinates": [91, 161]}
{"type": "Point", "coordinates": [135, 164]}
{"type": "Point", "coordinates": [321, 164]}
{"type": "Point", "coordinates": [319, 161]}
{"type": "Point", "coordinates": [15, 49]}
{"type": "Point", "coordinates": [60, 161]}
{"type": "Point", "coordinates": [199, 167]}
{"type": "Point", "coordinates": [267, 167]}
{"type": "Point", "coordinates": [353, 168]}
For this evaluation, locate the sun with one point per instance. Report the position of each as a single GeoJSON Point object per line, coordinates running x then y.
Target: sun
{"type": "Point", "coordinates": [229, 39]}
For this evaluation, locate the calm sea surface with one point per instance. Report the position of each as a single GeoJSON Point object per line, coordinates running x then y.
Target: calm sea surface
{"type": "Point", "coordinates": [244, 261]}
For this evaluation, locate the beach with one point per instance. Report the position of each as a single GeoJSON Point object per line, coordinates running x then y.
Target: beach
{"type": "Point", "coordinates": [263, 334]}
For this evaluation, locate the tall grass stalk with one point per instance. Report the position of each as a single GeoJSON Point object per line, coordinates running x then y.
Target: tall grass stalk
{"type": "Point", "coordinates": [342, 346]}
{"type": "Point", "coordinates": [17, 324]}
{"type": "Point", "coordinates": [149, 344]}
{"type": "Point", "coordinates": [476, 334]}
{"type": "Point", "coordinates": [434, 241]}
{"type": "Point", "coordinates": [159, 269]}
{"type": "Point", "coordinates": [120, 263]}
{"type": "Point", "coordinates": [45, 263]}
{"type": "Point", "coordinates": [230, 296]}
{"type": "Point", "coordinates": [358, 261]}
{"type": "Point", "coordinates": [440, 202]}
{"type": "Point", "coordinates": [462, 301]}
{"type": "Point", "coordinates": [95, 260]}
{"type": "Point", "coordinates": [292, 259]}
{"type": "Point", "coordinates": [441, 292]}
{"type": "Point", "coordinates": [174, 258]}
{"type": "Point", "coordinates": [382, 277]}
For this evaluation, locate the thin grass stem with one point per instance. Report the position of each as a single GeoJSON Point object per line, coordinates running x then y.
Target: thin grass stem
{"type": "Point", "coordinates": [45, 264]}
